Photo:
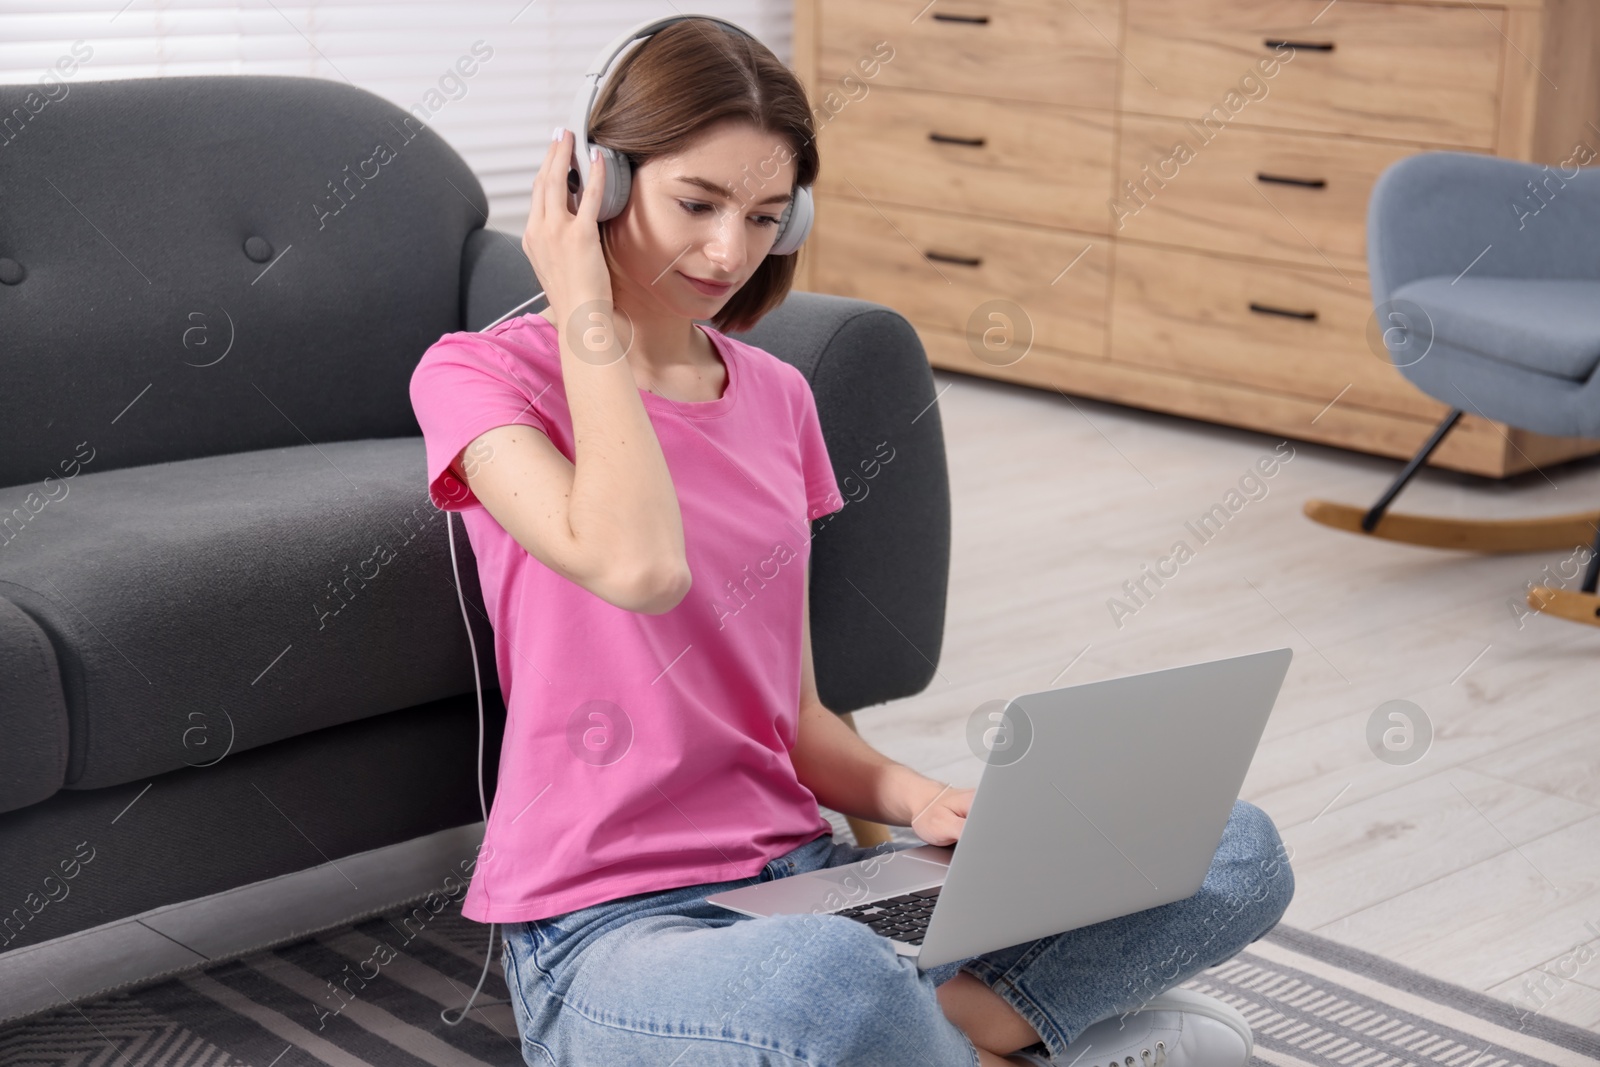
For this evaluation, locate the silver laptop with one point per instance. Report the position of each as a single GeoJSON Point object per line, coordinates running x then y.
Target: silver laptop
{"type": "Point", "coordinates": [1100, 800]}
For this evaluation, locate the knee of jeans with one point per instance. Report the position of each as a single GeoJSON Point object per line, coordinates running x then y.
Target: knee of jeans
{"type": "Point", "coordinates": [867, 996]}
{"type": "Point", "coordinates": [831, 988]}
{"type": "Point", "coordinates": [1268, 880]}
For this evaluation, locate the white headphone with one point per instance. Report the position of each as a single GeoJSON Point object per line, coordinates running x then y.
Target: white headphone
{"type": "Point", "coordinates": [793, 226]}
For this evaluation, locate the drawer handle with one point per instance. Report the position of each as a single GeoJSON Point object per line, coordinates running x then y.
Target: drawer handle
{"type": "Point", "coordinates": [1268, 309]}
{"type": "Point", "coordinates": [1309, 46]}
{"type": "Point", "coordinates": [975, 20]}
{"type": "Point", "coordinates": [944, 138]}
{"type": "Point", "coordinates": [1309, 183]}
{"type": "Point", "coordinates": [962, 261]}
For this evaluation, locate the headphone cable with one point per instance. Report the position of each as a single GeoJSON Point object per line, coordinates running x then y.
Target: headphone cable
{"type": "Point", "coordinates": [483, 805]}
{"type": "Point", "coordinates": [488, 956]}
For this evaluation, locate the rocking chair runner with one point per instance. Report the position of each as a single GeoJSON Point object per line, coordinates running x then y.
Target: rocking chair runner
{"type": "Point", "coordinates": [1486, 279]}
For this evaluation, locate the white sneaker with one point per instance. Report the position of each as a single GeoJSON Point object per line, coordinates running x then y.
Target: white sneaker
{"type": "Point", "coordinates": [1178, 1028]}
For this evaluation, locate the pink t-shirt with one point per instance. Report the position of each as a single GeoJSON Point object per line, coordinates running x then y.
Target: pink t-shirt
{"type": "Point", "coordinates": [642, 752]}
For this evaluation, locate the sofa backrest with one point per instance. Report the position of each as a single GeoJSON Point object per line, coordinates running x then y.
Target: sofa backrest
{"type": "Point", "coordinates": [193, 266]}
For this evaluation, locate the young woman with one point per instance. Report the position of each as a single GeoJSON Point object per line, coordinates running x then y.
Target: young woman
{"type": "Point", "coordinates": [622, 473]}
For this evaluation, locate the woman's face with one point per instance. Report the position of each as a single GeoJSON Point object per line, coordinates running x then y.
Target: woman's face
{"type": "Point", "coordinates": [699, 222]}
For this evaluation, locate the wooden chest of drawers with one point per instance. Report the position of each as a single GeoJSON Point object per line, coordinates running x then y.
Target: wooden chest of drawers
{"type": "Point", "coordinates": [1163, 202]}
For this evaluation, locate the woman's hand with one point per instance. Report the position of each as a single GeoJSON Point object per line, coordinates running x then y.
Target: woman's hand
{"type": "Point", "coordinates": [939, 821]}
{"type": "Point", "coordinates": [564, 248]}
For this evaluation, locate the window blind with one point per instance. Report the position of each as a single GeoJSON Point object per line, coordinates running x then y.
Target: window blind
{"type": "Point", "coordinates": [526, 57]}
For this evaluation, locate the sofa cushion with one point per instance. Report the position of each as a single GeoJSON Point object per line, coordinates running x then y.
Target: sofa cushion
{"type": "Point", "coordinates": [1547, 325]}
{"type": "Point", "coordinates": [33, 712]}
{"type": "Point", "coordinates": [208, 606]}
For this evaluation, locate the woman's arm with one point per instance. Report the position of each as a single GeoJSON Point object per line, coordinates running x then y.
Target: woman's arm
{"type": "Point", "coordinates": [531, 490]}
{"type": "Point", "coordinates": [609, 520]}
{"type": "Point", "coordinates": [847, 774]}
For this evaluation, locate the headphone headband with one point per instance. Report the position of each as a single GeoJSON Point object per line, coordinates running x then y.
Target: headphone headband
{"type": "Point", "coordinates": [594, 77]}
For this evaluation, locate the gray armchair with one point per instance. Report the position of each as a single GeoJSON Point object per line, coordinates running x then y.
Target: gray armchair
{"type": "Point", "coordinates": [1485, 279]}
{"type": "Point", "coordinates": [212, 297]}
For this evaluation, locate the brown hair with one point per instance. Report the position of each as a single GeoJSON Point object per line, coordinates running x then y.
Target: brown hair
{"type": "Point", "coordinates": [686, 77]}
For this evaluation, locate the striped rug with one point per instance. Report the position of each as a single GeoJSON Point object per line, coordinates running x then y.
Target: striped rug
{"type": "Point", "coordinates": [1312, 1003]}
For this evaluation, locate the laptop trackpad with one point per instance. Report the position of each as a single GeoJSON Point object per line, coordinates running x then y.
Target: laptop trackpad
{"type": "Point", "coordinates": [871, 879]}
{"type": "Point", "coordinates": [832, 888]}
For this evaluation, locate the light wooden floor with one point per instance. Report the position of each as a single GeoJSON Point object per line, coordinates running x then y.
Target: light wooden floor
{"type": "Point", "coordinates": [1479, 863]}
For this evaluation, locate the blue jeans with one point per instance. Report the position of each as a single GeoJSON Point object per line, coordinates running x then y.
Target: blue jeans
{"type": "Point", "coordinates": [666, 979]}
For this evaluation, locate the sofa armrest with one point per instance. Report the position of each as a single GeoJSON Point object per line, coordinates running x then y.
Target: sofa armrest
{"type": "Point", "coordinates": [881, 565]}
{"type": "Point", "coordinates": [1441, 213]}
{"type": "Point", "coordinates": [495, 277]}
{"type": "Point", "coordinates": [33, 712]}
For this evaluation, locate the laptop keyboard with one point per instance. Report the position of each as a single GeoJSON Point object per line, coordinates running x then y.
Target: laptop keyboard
{"type": "Point", "coordinates": [903, 918]}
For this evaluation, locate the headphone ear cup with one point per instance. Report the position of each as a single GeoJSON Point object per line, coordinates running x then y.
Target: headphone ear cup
{"type": "Point", "coordinates": [796, 224]}
{"type": "Point", "coordinates": [619, 182]}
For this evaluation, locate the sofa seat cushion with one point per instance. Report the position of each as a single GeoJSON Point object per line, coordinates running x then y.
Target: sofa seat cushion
{"type": "Point", "coordinates": [1547, 325]}
{"type": "Point", "coordinates": [208, 606]}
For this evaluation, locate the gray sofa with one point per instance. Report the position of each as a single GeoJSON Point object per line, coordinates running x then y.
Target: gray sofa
{"type": "Point", "coordinates": [230, 645]}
